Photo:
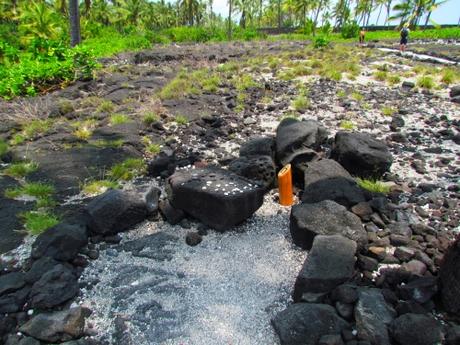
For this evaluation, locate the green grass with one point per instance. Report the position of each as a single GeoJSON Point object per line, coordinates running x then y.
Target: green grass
{"type": "Point", "coordinates": [94, 188]}
{"type": "Point", "coordinates": [118, 119]}
{"type": "Point", "coordinates": [153, 149]}
{"type": "Point", "coordinates": [290, 115]}
{"type": "Point", "coordinates": [35, 189]}
{"type": "Point", "coordinates": [17, 139]}
{"type": "Point", "coordinates": [105, 107]}
{"type": "Point", "coordinates": [347, 125]}
{"type": "Point", "coordinates": [449, 76]}
{"type": "Point", "coordinates": [105, 143]}
{"type": "Point", "coordinates": [36, 127]}
{"type": "Point", "coordinates": [341, 93]}
{"type": "Point", "coordinates": [300, 103]}
{"type": "Point", "coordinates": [332, 74]}
{"type": "Point", "coordinates": [381, 75]}
{"type": "Point", "coordinates": [181, 120]}
{"type": "Point", "coordinates": [388, 111]}
{"type": "Point", "coordinates": [83, 133]}
{"type": "Point", "coordinates": [357, 96]}
{"type": "Point", "coordinates": [244, 82]}
{"type": "Point", "coordinates": [150, 118]}
{"type": "Point", "coordinates": [425, 82]}
{"type": "Point", "coordinates": [393, 79]}
{"type": "Point", "coordinates": [3, 148]}
{"type": "Point", "coordinates": [128, 169]}
{"type": "Point", "coordinates": [36, 222]}
{"type": "Point", "coordinates": [20, 169]}
{"type": "Point", "coordinates": [42, 192]}
{"type": "Point", "coordinates": [373, 186]}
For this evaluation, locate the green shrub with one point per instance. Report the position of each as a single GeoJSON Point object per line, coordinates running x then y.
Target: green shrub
{"type": "Point", "coordinates": [301, 103]}
{"type": "Point", "coordinates": [388, 111]}
{"type": "Point", "coordinates": [43, 66]}
{"type": "Point", "coordinates": [35, 128]}
{"type": "Point", "coordinates": [350, 30]}
{"type": "Point", "coordinates": [394, 79]}
{"type": "Point", "coordinates": [104, 143]}
{"type": "Point", "coordinates": [347, 125]}
{"type": "Point", "coordinates": [128, 169]}
{"type": "Point", "coordinates": [425, 82]}
{"type": "Point", "coordinates": [150, 118]}
{"type": "Point", "coordinates": [357, 96]}
{"type": "Point", "coordinates": [321, 42]}
{"type": "Point", "coordinates": [381, 75]}
{"type": "Point", "coordinates": [181, 120]}
{"type": "Point", "coordinates": [94, 188]}
{"type": "Point", "coordinates": [373, 186]}
{"type": "Point", "coordinates": [105, 107]}
{"type": "Point", "coordinates": [448, 76]}
{"type": "Point", "coordinates": [37, 222]}
{"type": "Point", "coordinates": [118, 119]}
{"type": "Point", "coordinates": [3, 148]}
{"type": "Point", "coordinates": [20, 169]}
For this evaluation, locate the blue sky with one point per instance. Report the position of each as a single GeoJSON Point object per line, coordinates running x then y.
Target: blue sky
{"type": "Point", "coordinates": [449, 13]}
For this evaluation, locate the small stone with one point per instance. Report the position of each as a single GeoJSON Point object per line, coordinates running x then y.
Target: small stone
{"type": "Point", "coordinates": [404, 253]}
{"type": "Point", "coordinates": [377, 252]}
{"type": "Point", "coordinates": [415, 267]}
{"type": "Point", "coordinates": [193, 238]}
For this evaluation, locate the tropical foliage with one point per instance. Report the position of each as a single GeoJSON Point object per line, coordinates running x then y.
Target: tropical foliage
{"type": "Point", "coordinates": [35, 35]}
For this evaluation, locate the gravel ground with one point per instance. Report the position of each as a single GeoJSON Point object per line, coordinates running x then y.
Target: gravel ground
{"type": "Point", "coordinates": [224, 291]}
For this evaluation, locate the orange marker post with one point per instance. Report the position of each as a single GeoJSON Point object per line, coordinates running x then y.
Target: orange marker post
{"type": "Point", "coordinates": [285, 186]}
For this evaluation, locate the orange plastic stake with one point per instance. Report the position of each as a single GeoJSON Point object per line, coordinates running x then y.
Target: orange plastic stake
{"type": "Point", "coordinates": [285, 186]}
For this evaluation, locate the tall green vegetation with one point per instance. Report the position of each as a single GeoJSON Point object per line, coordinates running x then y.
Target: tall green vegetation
{"type": "Point", "coordinates": [36, 35]}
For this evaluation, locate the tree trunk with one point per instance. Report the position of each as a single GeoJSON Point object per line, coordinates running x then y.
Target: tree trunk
{"type": "Point", "coordinates": [74, 18]}
{"type": "Point", "coordinates": [230, 19]}
{"type": "Point", "coordinates": [261, 11]}
{"type": "Point", "coordinates": [315, 21]}
{"type": "Point", "coordinates": [380, 12]}
{"type": "Point", "coordinates": [87, 6]}
{"type": "Point", "coordinates": [279, 14]}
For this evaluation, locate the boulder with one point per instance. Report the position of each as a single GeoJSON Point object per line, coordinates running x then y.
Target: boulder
{"type": "Point", "coordinates": [217, 197]}
{"type": "Point", "coordinates": [420, 290]}
{"type": "Point", "coordinates": [61, 242]}
{"type": "Point", "coordinates": [116, 211]}
{"type": "Point", "coordinates": [330, 263]}
{"type": "Point", "coordinates": [11, 282]}
{"type": "Point", "coordinates": [416, 329]}
{"type": "Point", "coordinates": [449, 274]}
{"type": "Point", "coordinates": [324, 169]}
{"type": "Point", "coordinates": [295, 138]}
{"type": "Point", "coordinates": [454, 91]}
{"type": "Point", "coordinates": [342, 190]}
{"type": "Point", "coordinates": [306, 324]}
{"type": "Point", "coordinates": [324, 218]}
{"type": "Point", "coordinates": [14, 301]}
{"type": "Point", "coordinates": [163, 165]}
{"type": "Point", "coordinates": [172, 215]}
{"type": "Point", "coordinates": [39, 268]}
{"type": "Point", "coordinates": [54, 288]}
{"type": "Point", "coordinates": [331, 339]}
{"type": "Point", "coordinates": [361, 154]}
{"type": "Point", "coordinates": [55, 327]}
{"type": "Point", "coordinates": [260, 169]}
{"type": "Point", "coordinates": [373, 314]}
{"type": "Point", "coordinates": [258, 146]}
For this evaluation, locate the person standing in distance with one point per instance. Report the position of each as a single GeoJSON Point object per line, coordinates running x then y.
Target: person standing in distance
{"type": "Point", "coordinates": [404, 33]}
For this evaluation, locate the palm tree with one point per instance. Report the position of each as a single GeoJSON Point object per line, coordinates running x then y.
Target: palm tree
{"type": "Point", "coordinates": [230, 9]}
{"type": "Point", "coordinates": [74, 18]}
{"type": "Point", "coordinates": [431, 6]}
{"type": "Point", "coordinates": [37, 19]}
